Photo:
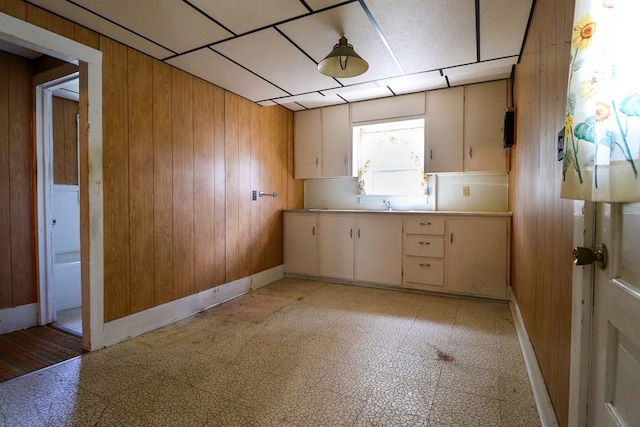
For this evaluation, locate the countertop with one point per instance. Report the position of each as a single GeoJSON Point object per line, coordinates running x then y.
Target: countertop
{"type": "Point", "coordinates": [400, 212]}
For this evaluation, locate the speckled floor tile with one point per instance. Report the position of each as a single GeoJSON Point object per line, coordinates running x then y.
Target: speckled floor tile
{"type": "Point", "coordinates": [296, 353]}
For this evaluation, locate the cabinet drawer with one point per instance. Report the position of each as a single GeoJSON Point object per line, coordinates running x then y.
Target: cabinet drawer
{"type": "Point", "coordinates": [424, 246]}
{"type": "Point", "coordinates": [427, 271]}
{"type": "Point", "coordinates": [424, 225]}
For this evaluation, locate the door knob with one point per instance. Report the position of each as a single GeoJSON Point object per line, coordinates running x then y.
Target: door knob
{"type": "Point", "coordinates": [584, 256]}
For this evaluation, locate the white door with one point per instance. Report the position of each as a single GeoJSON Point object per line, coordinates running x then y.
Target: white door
{"type": "Point", "coordinates": [615, 371]}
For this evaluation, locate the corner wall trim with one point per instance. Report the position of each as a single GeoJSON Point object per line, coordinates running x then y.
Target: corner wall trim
{"type": "Point", "coordinates": [165, 314]}
{"type": "Point", "coordinates": [538, 386]}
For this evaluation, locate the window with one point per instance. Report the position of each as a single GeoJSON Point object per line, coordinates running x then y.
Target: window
{"type": "Point", "coordinates": [389, 158]}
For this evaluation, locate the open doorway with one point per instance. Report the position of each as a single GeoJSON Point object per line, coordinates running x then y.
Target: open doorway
{"type": "Point", "coordinates": [59, 201]}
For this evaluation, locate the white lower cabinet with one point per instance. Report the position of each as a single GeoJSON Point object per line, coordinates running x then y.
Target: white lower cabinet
{"type": "Point", "coordinates": [459, 254]}
{"type": "Point", "coordinates": [477, 256]}
{"type": "Point", "coordinates": [300, 243]}
{"type": "Point", "coordinates": [379, 249]}
{"type": "Point", "coordinates": [335, 246]}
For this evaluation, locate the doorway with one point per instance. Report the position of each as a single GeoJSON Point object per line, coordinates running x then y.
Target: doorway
{"type": "Point", "coordinates": [57, 123]}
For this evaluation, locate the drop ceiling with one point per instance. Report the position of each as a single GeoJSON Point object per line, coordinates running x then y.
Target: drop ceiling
{"type": "Point", "coordinates": [267, 50]}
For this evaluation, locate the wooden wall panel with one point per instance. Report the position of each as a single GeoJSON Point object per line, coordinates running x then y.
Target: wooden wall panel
{"type": "Point", "coordinates": [180, 158]}
{"type": "Point", "coordinates": [231, 129]}
{"type": "Point", "coordinates": [51, 22]}
{"type": "Point", "coordinates": [183, 219]}
{"type": "Point", "coordinates": [542, 222]}
{"type": "Point", "coordinates": [162, 183]}
{"type": "Point", "coordinates": [5, 188]}
{"type": "Point", "coordinates": [204, 191]}
{"type": "Point", "coordinates": [220, 187]}
{"type": "Point", "coordinates": [65, 141]}
{"type": "Point", "coordinates": [115, 169]}
{"type": "Point", "coordinates": [256, 184]}
{"type": "Point", "coordinates": [244, 186]}
{"type": "Point", "coordinates": [141, 181]}
{"type": "Point", "coordinates": [15, 8]}
{"type": "Point", "coordinates": [20, 105]}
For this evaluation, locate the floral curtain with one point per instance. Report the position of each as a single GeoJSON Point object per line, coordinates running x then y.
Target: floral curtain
{"type": "Point", "coordinates": [602, 129]}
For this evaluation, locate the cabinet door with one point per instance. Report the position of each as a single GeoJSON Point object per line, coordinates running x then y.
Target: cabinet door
{"type": "Point", "coordinates": [335, 246]}
{"type": "Point", "coordinates": [485, 105]}
{"type": "Point", "coordinates": [445, 118]}
{"type": "Point", "coordinates": [388, 108]}
{"type": "Point", "coordinates": [336, 141]}
{"type": "Point", "coordinates": [379, 249]}
{"type": "Point", "coordinates": [307, 142]}
{"type": "Point", "coordinates": [477, 256]}
{"type": "Point", "coordinates": [300, 243]}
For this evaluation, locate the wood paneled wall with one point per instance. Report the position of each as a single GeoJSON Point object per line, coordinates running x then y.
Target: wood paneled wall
{"type": "Point", "coordinates": [65, 141]}
{"type": "Point", "coordinates": [17, 285]}
{"type": "Point", "coordinates": [180, 158]}
{"type": "Point", "coordinates": [542, 222]}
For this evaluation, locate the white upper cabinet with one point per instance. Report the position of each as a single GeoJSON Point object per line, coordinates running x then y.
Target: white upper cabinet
{"type": "Point", "coordinates": [388, 108]}
{"type": "Point", "coordinates": [445, 116]}
{"type": "Point", "coordinates": [485, 105]}
{"type": "Point", "coordinates": [322, 142]}
{"type": "Point", "coordinates": [336, 141]}
{"type": "Point", "coordinates": [307, 143]}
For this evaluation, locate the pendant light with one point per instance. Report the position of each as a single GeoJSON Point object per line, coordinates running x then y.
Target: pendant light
{"type": "Point", "coordinates": [343, 61]}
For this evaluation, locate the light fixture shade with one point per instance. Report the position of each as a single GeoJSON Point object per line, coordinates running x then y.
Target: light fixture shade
{"type": "Point", "coordinates": [343, 61]}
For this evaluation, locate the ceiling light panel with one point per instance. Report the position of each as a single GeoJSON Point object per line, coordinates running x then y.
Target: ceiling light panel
{"type": "Point", "coordinates": [241, 16]}
{"type": "Point", "coordinates": [102, 26]}
{"type": "Point", "coordinates": [171, 23]}
{"type": "Point", "coordinates": [317, 34]}
{"type": "Point", "coordinates": [502, 27]}
{"type": "Point", "coordinates": [272, 56]}
{"type": "Point", "coordinates": [427, 34]}
{"type": "Point", "coordinates": [212, 67]}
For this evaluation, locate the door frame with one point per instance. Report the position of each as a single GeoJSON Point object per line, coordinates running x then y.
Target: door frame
{"type": "Point", "coordinates": [89, 60]}
{"type": "Point", "coordinates": [44, 186]}
{"type": "Point", "coordinates": [584, 233]}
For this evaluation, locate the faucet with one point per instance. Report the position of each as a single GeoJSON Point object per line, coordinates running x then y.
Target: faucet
{"type": "Point", "coordinates": [388, 203]}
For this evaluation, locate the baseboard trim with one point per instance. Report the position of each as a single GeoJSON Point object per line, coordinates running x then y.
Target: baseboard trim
{"type": "Point", "coordinates": [17, 318]}
{"type": "Point", "coordinates": [538, 386]}
{"type": "Point", "coordinates": [128, 327]}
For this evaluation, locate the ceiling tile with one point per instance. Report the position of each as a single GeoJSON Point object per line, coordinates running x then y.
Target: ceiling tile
{"type": "Point", "coordinates": [321, 4]}
{"type": "Point", "coordinates": [102, 26]}
{"type": "Point", "coordinates": [502, 27]}
{"type": "Point", "coordinates": [415, 82]}
{"type": "Point", "coordinates": [290, 105]}
{"type": "Point", "coordinates": [241, 16]}
{"type": "Point", "coordinates": [481, 71]}
{"type": "Point", "coordinates": [272, 56]}
{"type": "Point", "coordinates": [427, 34]}
{"type": "Point", "coordinates": [369, 93]}
{"type": "Point", "coordinates": [317, 34]}
{"type": "Point", "coordinates": [212, 67]}
{"type": "Point", "coordinates": [266, 103]}
{"type": "Point", "coordinates": [171, 23]}
{"type": "Point", "coordinates": [313, 100]}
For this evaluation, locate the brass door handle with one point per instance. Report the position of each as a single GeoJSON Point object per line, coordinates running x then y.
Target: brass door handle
{"type": "Point", "coordinates": [585, 256]}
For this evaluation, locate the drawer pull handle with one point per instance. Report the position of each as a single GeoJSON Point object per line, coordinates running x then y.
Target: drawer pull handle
{"type": "Point", "coordinates": [425, 243]}
{"type": "Point", "coordinates": [424, 265]}
{"type": "Point", "coordinates": [425, 223]}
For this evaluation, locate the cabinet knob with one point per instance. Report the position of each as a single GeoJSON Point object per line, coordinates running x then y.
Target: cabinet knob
{"type": "Point", "coordinates": [425, 223]}
{"type": "Point", "coordinates": [313, 230]}
{"type": "Point", "coordinates": [425, 243]}
{"type": "Point", "coordinates": [424, 265]}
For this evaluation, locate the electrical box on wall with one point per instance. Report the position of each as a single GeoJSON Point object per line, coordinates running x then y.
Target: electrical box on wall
{"type": "Point", "coordinates": [509, 128]}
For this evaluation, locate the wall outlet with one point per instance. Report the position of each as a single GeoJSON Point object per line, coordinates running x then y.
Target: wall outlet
{"type": "Point", "coordinates": [465, 191]}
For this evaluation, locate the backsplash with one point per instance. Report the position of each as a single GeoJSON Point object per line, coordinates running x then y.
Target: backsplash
{"type": "Point", "coordinates": [487, 192]}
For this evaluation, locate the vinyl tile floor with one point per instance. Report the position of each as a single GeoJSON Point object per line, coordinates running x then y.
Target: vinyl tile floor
{"type": "Point", "coordinates": [296, 353]}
